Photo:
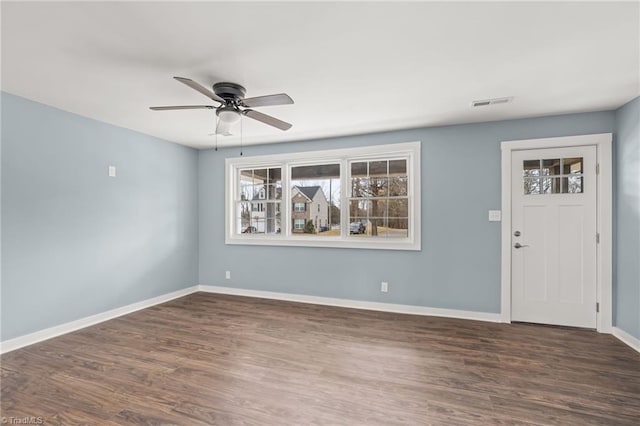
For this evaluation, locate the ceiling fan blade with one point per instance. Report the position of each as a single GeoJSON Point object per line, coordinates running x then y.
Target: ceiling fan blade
{"type": "Point", "coordinates": [267, 119]}
{"type": "Point", "coordinates": [200, 88]}
{"type": "Point", "coordinates": [268, 100]}
{"type": "Point", "coordinates": [167, 108]}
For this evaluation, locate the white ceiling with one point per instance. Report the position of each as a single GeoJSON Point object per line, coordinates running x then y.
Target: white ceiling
{"type": "Point", "coordinates": [350, 67]}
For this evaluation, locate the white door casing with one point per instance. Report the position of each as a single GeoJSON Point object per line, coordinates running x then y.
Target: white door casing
{"type": "Point", "coordinates": [603, 260]}
{"type": "Point", "coordinates": [553, 228]}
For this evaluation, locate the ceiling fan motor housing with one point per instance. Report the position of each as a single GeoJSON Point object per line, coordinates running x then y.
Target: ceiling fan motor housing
{"type": "Point", "coordinates": [229, 91]}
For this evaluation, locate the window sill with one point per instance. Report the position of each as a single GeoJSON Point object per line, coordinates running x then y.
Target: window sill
{"type": "Point", "coordinates": [329, 242]}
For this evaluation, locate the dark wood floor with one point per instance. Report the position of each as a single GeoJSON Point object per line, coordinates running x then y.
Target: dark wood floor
{"type": "Point", "coordinates": [213, 359]}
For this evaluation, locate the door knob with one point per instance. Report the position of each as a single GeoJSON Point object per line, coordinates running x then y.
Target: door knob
{"type": "Point", "coordinates": [518, 245]}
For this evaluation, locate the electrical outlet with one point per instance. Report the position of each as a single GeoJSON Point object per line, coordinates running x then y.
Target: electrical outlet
{"type": "Point", "coordinates": [227, 275]}
{"type": "Point", "coordinates": [384, 287]}
{"type": "Point", "coordinates": [112, 171]}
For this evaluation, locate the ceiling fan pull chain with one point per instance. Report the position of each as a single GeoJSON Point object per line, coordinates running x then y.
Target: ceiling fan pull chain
{"type": "Point", "coordinates": [215, 129]}
{"type": "Point", "coordinates": [241, 134]}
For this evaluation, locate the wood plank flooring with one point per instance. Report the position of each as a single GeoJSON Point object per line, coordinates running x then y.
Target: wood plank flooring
{"type": "Point", "coordinates": [209, 359]}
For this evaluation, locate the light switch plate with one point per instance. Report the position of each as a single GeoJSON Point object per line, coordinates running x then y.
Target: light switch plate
{"type": "Point", "coordinates": [112, 171]}
{"type": "Point", "coordinates": [495, 215]}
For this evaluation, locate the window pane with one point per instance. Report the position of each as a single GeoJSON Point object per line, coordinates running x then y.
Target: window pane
{"type": "Point", "coordinates": [398, 167]}
{"type": "Point", "coordinates": [550, 185]}
{"type": "Point", "coordinates": [274, 216]}
{"type": "Point", "coordinates": [398, 228]}
{"type": "Point", "coordinates": [243, 217]}
{"type": "Point", "coordinates": [359, 209]}
{"type": "Point", "coordinates": [379, 187]}
{"type": "Point", "coordinates": [571, 166]}
{"type": "Point", "coordinates": [275, 175]}
{"type": "Point", "coordinates": [398, 207]}
{"type": "Point", "coordinates": [315, 197]}
{"type": "Point", "coordinates": [551, 167]}
{"type": "Point", "coordinates": [531, 186]}
{"type": "Point", "coordinates": [397, 186]}
{"type": "Point", "coordinates": [378, 168]}
{"type": "Point", "coordinates": [378, 208]}
{"type": "Point", "coordinates": [274, 191]}
{"type": "Point", "coordinates": [531, 168]}
{"type": "Point", "coordinates": [572, 185]}
{"type": "Point", "coordinates": [259, 192]}
{"type": "Point", "coordinates": [360, 187]}
{"type": "Point", "coordinates": [359, 169]}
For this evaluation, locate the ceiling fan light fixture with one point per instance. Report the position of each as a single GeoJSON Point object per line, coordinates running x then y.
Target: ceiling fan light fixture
{"type": "Point", "coordinates": [228, 114]}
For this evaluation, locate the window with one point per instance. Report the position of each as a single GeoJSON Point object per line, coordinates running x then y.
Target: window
{"type": "Point", "coordinates": [263, 216]}
{"type": "Point", "coordinates": [366, 197]}
{"type": "Point", "coordinates": [379, 203]}
{"type": "Point", "coordinates": [318, 186]}
{"type": "Point", "coordinates": [553, 176]}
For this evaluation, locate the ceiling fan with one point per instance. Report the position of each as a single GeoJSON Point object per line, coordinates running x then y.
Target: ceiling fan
{"type": "Point", "coordinates": [231, 98]}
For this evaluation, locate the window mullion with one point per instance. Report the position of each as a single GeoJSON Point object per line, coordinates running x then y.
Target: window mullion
{"type": "Point", "coordinates": [287, 222]}
{"type": "Point", "coordinates": [345, 193]}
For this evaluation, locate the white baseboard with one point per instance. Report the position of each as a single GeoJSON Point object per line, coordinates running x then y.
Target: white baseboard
{"type": "Point", "coordinates": [626, 338]}
{"type": "Point", "coordinates": [356, 304]}
{"type": "Point", "coordinates": [39, 336]}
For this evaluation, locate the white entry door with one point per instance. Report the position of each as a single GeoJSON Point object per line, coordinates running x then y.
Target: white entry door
{"type": "Point", "coordinates": [553, 236]}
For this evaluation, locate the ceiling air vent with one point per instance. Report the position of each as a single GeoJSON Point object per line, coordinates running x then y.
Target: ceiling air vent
{"type": "Point", "coordinates": [494, 101]}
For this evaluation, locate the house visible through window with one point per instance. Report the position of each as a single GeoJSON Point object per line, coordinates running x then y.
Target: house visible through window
{"type": "Point", "coordinates": [364, 197]}
{"type": "Point", "coordinates": [260, 200]}
{"type": "Point", "coordinates": [317, 187]}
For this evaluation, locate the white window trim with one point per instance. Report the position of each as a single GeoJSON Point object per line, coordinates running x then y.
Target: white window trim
{"type": "Point", "coordinates": [604, 182]}
{"type": "Point", "coordinates": [409, 150]}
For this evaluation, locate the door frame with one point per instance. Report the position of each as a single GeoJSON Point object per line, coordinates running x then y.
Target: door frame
{"type": "Point", "coordinates": [604, 193]}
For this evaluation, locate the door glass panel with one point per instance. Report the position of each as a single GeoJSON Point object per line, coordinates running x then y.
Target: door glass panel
{"type": "Point", "coordinates": [531, 168]}
{"type": "Point", "coordinates": [572, 185]}
{"type": "Point", "coordinates": [550, 185]}
{"type": "Point", "coordinates": [551, 167]}
{"type": "Point", "coordinates": [531, 186]}
{"type": "Point", "coordinates": [557, 176]}
{"type": "Point", "coordinates": [571, 166]}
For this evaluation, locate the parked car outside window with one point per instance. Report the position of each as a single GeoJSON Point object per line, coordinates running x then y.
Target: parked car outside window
{"type": "Point", "coordinates": [357, 228]}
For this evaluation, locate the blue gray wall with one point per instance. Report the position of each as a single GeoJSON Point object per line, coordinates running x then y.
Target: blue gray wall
{"type": "Point", "coordinates": [77, 242]}
{"type": "Point", "coordinates": [459, 265]}
{"type": "Point", "coordinates": [626, 268]}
